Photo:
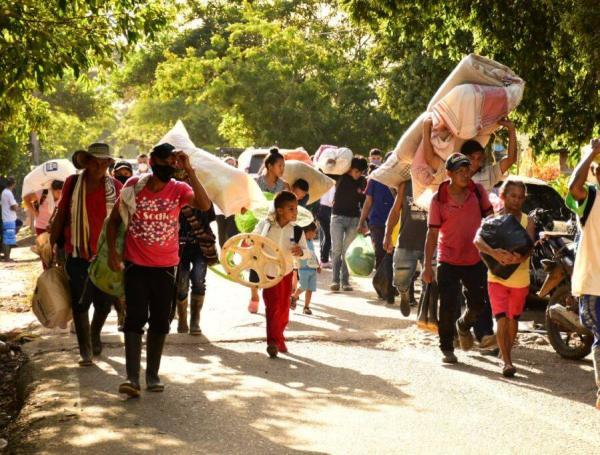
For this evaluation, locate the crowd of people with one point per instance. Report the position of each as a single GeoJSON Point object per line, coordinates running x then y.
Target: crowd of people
{"type": "Point", "coordinates": [164, 215]}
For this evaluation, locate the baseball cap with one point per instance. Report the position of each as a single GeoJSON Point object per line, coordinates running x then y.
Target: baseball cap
{"type": "Point", "coordinates": [123, 164]}
{"type": "Point", "coordinates": [456, 161]}
{"type": "Point", "coordinates": [162, 151]}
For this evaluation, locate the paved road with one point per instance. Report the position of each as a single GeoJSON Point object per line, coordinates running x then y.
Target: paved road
{"type": "Point", "coordinates": [359, 378]}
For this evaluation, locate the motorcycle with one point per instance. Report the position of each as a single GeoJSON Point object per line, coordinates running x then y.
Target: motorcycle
{"type": "Point", "coordinates": [553, 258]}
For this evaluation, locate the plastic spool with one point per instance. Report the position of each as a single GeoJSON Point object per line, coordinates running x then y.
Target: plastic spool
{"type": "Point", "coordinates": [245, 252]}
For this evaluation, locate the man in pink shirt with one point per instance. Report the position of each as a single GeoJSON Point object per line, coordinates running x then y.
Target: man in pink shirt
{"type": "Point", "coordinates": [455, 215]}
{"type": "Point", "coordinates": [151, 253]}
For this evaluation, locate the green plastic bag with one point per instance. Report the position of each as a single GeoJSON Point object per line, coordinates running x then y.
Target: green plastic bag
{"type": "Point", "coordinates": [360, 256]}
{"type": "Point", "coordinates": [247, 222]}
{"type": "Point", "coordinates": [106, 279]}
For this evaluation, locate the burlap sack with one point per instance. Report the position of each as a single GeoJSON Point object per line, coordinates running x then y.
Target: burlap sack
{"type": "Point", "coordinates": [51, 302]}
{"type": "Point", "coordinates": [318, 183]}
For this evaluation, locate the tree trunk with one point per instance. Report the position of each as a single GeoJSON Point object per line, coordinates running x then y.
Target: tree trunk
{"type": "Point", "coordinates": [34, 147]}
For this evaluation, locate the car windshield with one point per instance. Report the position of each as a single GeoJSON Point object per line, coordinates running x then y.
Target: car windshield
{"type": "Point", "coordinates": [256, 162]}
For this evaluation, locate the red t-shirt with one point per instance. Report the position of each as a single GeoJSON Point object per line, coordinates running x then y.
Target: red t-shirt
{"type": "Point", "coordinates": [95, 205]}
{"type": "Point", "coordinates": [152, 238]}
{"type": "Point", "coordinates": [458, 224]}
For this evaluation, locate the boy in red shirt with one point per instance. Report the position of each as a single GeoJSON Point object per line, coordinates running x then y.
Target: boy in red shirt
{"type": "Point", "coordinates": [151, 253]}
{"type": "Point", "coordinates": [455, 215]}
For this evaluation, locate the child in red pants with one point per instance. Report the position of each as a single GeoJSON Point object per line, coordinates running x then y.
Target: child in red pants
{"type": "Point", "coordinates": [507, 296]}
{"type": "Point", "coordinates": [279, 227]}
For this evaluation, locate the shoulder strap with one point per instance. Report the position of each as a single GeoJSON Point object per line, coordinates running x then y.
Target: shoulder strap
{"type": "Point", "coordinates": [297, 233]}
{"type": "Point", "coordinates": [589, 205]}
{"type": "Point", "coordinates": [478, 194]}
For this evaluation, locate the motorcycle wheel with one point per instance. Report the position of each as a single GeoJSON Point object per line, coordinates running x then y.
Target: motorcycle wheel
{"type": "Point", "coordinates": [567, 344]}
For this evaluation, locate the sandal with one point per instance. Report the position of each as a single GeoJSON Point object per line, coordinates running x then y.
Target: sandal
{"type": "Point", "coordinates": [307, 310]}
{"type": "Point", "coordinates": [509, 371]}
{"type": "Point", "coordinates": [293, 302]}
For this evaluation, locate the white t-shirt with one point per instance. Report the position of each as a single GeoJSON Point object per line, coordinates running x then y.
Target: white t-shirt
{"type": "Point", "coordinates": [327, 198]}
{"type": "Point", "coordinates": [587, 259]}
{"type": "Point", "coordinates": [8, 200]}
{"type": "Point", "coordinates": [488, 176]}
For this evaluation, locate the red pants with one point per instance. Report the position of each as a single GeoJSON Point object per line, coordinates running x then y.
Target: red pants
{"type": "Point", "coordinates": [277, 305]}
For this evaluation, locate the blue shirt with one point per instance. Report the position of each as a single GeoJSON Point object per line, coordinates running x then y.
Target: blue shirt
{"type": "Point", "coordinates": [312, 262]}
{"type": "Point", "coordinates": [383, 200]}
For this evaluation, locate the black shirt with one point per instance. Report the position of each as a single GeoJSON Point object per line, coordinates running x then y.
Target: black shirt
{"type": "Point", "coordinates": [413, 230]}
{"type": "Point", "coordinates": [349, 195]}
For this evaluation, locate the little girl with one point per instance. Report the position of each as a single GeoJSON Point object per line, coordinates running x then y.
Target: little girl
{"type": "Point", "coordinates": [270, 180]}
{"type": "Point", "coordinates": [507, 296]}
{"type": "Point", "coordinates": [292, 242]}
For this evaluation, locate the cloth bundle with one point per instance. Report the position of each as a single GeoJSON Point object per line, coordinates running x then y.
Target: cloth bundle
{"type": "Point", "coordinates": [318, 183]}
{"type": "Point", "coordinates": [333, 160]}
{"type": "Point", "coordinates": [467, 105]}
{"type": "Point", "coordinates": [229, 188]}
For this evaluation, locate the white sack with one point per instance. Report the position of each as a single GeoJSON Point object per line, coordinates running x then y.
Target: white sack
{"type": "Point", "coordinates": [42, 176]}
{"type": "Point", "coordinates": [229, 188]}
{"type": "Point", "coordinates": [392, 173]}
{"type": "Point", "coordinates": [318, 183]}
{"type": "Point", "coordinates": [333, 160]}
{"type": "Point", "coordinates": [51, 302]}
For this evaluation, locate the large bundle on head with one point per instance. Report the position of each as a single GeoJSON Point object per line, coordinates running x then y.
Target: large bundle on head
{"type": "Point", "coordinates": [333, 160]}
{"type": "Point", "coordinates": [318, 183]}
{"type": "Point", "coordinates": [468, 105]}
{"type": "Point", "coordinates": [229, 188]}
{"type": "Point", "coordinates": [42, 176]}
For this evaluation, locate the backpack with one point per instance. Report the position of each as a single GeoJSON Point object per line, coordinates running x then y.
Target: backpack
{"type": "Point", "coordinates": [590, 203]}
{"type": "Point", "coordinates": [442, 194]}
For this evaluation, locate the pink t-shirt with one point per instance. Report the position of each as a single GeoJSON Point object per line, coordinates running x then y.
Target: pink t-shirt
{"type": "Point", "coordinates": [458, 224]}
{"type": "Point", "coordinates": [152, 238]}
{"type": "Point", "coordinates": [46, 209]}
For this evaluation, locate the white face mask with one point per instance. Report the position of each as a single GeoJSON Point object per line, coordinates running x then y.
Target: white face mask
{"type": "Point", "coordinates": [143, 167]}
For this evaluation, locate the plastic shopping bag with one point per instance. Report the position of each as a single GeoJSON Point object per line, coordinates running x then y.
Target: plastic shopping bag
{"type": "Point", "coordinates": [360, 256]}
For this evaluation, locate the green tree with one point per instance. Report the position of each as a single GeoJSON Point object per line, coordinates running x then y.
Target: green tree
{"type": "Point", "coordinates": [553, 44]}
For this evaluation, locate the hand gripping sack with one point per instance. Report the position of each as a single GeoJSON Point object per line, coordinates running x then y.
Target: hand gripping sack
{"type": "Point", "coordinates": [318, 183]}
{"type": "Point", "coordinates": [103, 277]}
{"type": "Point", "coordinates": [333, 160]}
{"type": "Point", "coordinates": [360, 256]}
{"type": "Point", "coordinates": [247, 221]}
{"type": "Point", "coordinates": [51, 301]}
{"type": "Point", "coordinates": [506, 232]}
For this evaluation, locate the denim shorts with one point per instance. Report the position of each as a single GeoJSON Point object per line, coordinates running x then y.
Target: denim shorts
{"type": "Point", "coordinates": [307, 278]}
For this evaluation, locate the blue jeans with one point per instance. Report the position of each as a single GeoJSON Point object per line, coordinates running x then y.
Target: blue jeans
{"type": "Point", "coordinates": [192, 267]}
{"type": "Point", "coordinates": [405, 266]}
{"type": "Point", "coordinates": [343, 232]}
{"type": "Point", "coordinates": [589, 314]}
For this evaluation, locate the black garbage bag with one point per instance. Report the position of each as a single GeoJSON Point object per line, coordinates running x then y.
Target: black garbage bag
{"type": "Point", "coordinates": [383, 281]}
{"type": "Point", "coordinates": [428, 304]}
{"type": "Point", "coordinates": [506, 232]}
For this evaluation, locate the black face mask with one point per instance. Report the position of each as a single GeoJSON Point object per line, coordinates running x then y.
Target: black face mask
{"type": "Point", "coordinates": [163, 172]}
{"type": "Point", "coordinates": [122, 178]}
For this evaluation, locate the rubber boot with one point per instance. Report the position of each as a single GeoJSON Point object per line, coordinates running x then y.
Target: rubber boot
{"type": "Point", "coordinates": [84, 340]}
{"type": "Point", "coordinates": [120, 308]}
{"type": "Point", "coordinates": [6, 250]}
{"type": "Point", "coordinates": [182, 325]}
{"type": "Point", "coordinates": [98, 320]}
{"type": "Point", "coordinates": [154, 348]}
{"type": "Point", "coordinates": [195, 308]}
{"type": "Point", "coordinates": [133, 354]}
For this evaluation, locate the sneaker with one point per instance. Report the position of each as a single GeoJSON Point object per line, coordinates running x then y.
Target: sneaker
{"type": "Point", "coordinates": [334, 287]}
{"type": "Point", "coordinates": [272, 351]}
{"type": "Point", "coordinates": [347, 288]}
{"type": "Point", "coordinates": [404, 304]}
{"type": "Point", "coordinates": [307, 310]}
{"type": "Point", "coordinates": [326, 265]}
{"type": "Point", "coordinates": [465, 337]}
{"type": "Point", "coordinates": [130, 388]}
{"type": "Point", "coordinates": [253, 306]}
{"type": "Point", "coordinates": [449, 357]}
{"type": "Point", "coordinates": [488, 341]}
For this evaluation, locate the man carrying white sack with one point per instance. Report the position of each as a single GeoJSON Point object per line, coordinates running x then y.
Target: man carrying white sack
{"type": "Point", "coordinates": [582, 199]}
{"type": "Point", "coordinates": [486, 175]}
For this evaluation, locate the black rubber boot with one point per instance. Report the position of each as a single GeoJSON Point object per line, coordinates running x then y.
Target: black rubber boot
{"type": "Point", "coordinates": [100, 315]}
{"type": "Point", "coordinates": [133, 354]}
{"type": "Point", "coordinates": [154, 348]}
{"type": "Point", "coordinates": [195, 308]}
{"type": "Point", "coordinates": [182, 325]}
{"type": "Point", "coordinates": [82, 330]}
